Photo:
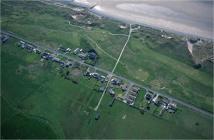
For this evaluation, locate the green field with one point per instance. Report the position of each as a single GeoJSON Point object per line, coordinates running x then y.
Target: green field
{"type": "Point", "coordinates": [38, 102]}
{"type": "Point", "coordinates": [48, 26]}
{"type": "Point", "coordinates": [166, 66]}
{"type": "Point", "coordinates": [43, 101]}
{"type": "Point", "coordinates": [163, 65]}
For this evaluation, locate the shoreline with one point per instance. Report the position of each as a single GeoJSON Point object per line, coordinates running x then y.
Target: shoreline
{"type": "Point", "coordinates": [98, 11]}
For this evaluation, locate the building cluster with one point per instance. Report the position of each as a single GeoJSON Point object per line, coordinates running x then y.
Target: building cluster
{"type": "Point", "coordinates": [95, 75]}
{"type": "Point", "coordinates": [161, 101]}
{"type": "Point", "coordinates": [102, 79]}
{"type": "Point", "coordinates": [30, 48]}
{"type": "Point", "coordinates": [82, 17]}
{"type": "Point", "coordinates": [84, 54]}
{"type": "Point", "coordinates": [128, 90]}
{"type": "Point", "coordinates": [45, 55]}
{"type": "Point", "coordinates": [131, 94]}
{"type": "Point", "coordinates": [54, 58]}
{"type": "Point", "coordinates": [123, 26]}
{"type": "Point", "coordinates": [64, 50]}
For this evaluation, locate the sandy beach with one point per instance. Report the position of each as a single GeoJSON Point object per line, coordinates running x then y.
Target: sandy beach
{"type": "Point", "coordinates": [183, 16]}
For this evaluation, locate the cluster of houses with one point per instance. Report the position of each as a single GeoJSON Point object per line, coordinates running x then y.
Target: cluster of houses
{"type": "Point", "coordinates": [131, 95]}
{"type": "Point", "coordinates": [81, 53]}
{"type": "Point", "coordinates": [102, 79]}
{"type": "Point", "coordinates": [130, 91]}
{"type": "Point", "coordinates": [45, 55]}
{"type": "Point", "coordinates": [54, 58]}
{"type": "Point", "coordinates": [4, 38]}
{"type": "Point", "coordinates": [161, 101]}
{"type": "Point", "coordinates": [81, 17]}
{"type": "Point", "coordinates": [95, 75]}
{"type": "Point", "coordinates": [30, 48]}
{"type": "Point", "coordinates": [64, 50]}
{"type": "Point", "coordinates": [86, 54]}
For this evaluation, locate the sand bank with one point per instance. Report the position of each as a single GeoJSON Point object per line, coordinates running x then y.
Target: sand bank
{"type": "Point", "coordinates": [188, 17]}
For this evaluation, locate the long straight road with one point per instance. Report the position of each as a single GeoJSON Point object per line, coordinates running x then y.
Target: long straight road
{"type": "Point", "coordinates": [190, 106]}
{"type": "Point", "coordinates": [115, 66]}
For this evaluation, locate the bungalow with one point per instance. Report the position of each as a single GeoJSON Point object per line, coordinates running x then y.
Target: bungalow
{"type": "Point", "coordinates": [123, 26]}
{"type": "Point", "coordinates": [149, 96]}
{"type": "Point", "coordinates": [172, 107]}
{"type": "Point", "coordinates": [46, 56]}
{"type": "Point", "coordinates": [111, 92]}
{"type": "Point", "coordinates": [29, 47]}
{"type": "Point", "coordinates": [92, 54]}
{"type": "Point", "coordinates": [131, 97]}
{"type": "Point", "coordinates": [135, 89]}
{"type": "Point", "coordinates": [38, 51]}
{"type": "Point", "coordinates": [164, 101]}
{"type": "Point", "coordinates": [133, 93]}
{"type": "Point", "coordinates": [95, 75]}
{"type": "Point", "coordinates": [129, 101]}
{"type": "Point", "coordinates": [83, 56]}
{"type": "Point", "coordinates": [68, 49]}
{"type": "Point", "coordinates": [124, 87]}
{"type": "Point", "coordinates": [155, 100]}
{"type": "Point", "coordinates": [22, 42]}
{"type": "Point", "coordinates": [22, 46]}
{"type": "Point", "coordinates": [55, 59]}
{"type": "Point", "coordinates": [102, 78]}
{"type": "Point", "coordinates": [4, 38]}
{"type": "Point", "coordinates": [34, 50]}
{"type": "Point", "coordinates": [62, 49]}
{"type": "Point", "coordinates": [108, 77]}
{"type": "Point", "coordinates": [76, 51]}
{"type": "Point", "coordinates": [115, 81]}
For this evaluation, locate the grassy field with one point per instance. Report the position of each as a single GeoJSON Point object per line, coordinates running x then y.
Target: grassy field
{"type": "Point", "coordinates": [35, 93]}
{"type": "Point", "coordinates": [147, 51]}
{"type": "Point", "coordinates": [168, 69]}
{"type": "Point", "coordinates": [49, 26]}
{"type": "Point", "coordinates": [58, 108]}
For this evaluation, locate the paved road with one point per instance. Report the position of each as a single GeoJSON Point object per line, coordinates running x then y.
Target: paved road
{"type": "Point", "coordinates": [190, 106]}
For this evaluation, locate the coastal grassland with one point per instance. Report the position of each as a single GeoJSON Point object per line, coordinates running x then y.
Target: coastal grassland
{"type": "Point", "coordinates": [175, 48]}
{"type": "Point", "coordinates": [35, 95]}
{"type": "Point", "coordinates": [49, 26]}
{"type": "Point", "coordinates": [38, 90]}
{"type": "Point", "coordinates": [167, 72]}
